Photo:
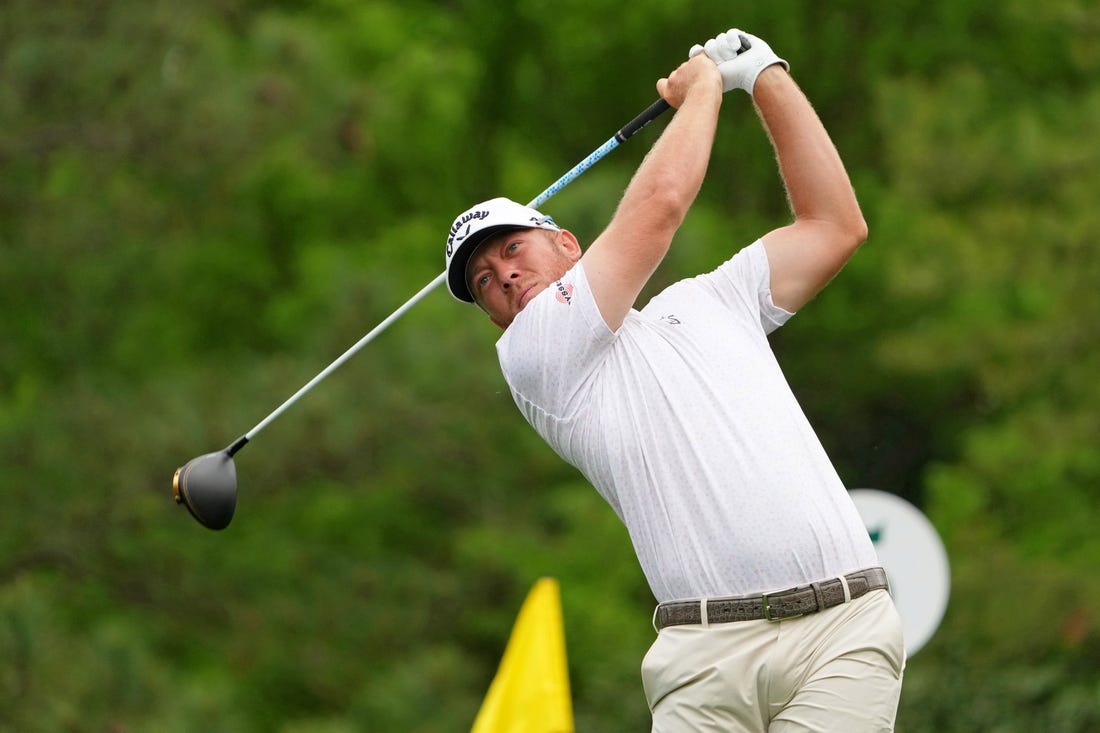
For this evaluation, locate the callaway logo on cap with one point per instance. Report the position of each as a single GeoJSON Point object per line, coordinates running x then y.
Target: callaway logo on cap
{"type": "Point", "coordinates": [477, 223]}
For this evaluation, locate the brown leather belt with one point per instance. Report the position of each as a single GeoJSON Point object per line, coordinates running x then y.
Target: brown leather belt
{"type": "Point", "coordinates": [777, 606]}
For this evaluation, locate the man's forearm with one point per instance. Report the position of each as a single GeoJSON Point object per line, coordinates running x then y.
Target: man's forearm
{"type": "Point", "coordinates": [828, 227]}
{"type": "Point", "coordinates": [817, 184]}
{"type": "Point", "coordinates": [621, 260]}
{"type": "Point", "coordinates": [674, 169]}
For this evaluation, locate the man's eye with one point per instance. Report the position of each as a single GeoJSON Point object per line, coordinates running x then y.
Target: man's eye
{"type": "Point", "coordinates": [483, 281]}
{"type": "Point", "coordinates": [512, 247]}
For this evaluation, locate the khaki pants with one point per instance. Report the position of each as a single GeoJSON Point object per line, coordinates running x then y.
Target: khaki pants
{"type": "Point", "coordinates": [835, 670]}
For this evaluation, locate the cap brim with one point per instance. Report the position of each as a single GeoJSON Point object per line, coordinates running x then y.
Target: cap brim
{"type": "Point", "coordinates": [456, 270]}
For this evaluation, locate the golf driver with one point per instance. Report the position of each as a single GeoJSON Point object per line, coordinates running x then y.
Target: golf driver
{"type": "Point", "coordinates": [207, 485]}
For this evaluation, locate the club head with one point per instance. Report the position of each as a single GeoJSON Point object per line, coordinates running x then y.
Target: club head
{"type": "Point", "coordinates": [207, 486]}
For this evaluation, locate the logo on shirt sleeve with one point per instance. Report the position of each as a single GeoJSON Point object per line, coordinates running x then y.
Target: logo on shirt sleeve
{"type": "Point", "coordinates": [563, 292]}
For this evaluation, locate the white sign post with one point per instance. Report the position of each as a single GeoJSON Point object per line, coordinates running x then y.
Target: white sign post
{"type": "Point", "coordinates": [915, 561]}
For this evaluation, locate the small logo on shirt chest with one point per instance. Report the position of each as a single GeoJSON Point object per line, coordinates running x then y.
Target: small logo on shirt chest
{"type": "Point", "coordinates": [563, 292]}
{"type": "Point", "coordinates": [670, 319]}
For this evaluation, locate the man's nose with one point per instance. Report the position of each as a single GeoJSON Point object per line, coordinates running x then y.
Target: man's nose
{"type": "Point", "coordinates": [506, 281]}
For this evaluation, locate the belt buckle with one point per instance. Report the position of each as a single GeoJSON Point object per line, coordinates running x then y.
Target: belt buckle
{"type": "Point", "coordinates": [768, 612]}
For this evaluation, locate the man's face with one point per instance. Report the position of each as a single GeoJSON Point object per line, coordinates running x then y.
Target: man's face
{"type": "Point", "coordinates": [509, 269]}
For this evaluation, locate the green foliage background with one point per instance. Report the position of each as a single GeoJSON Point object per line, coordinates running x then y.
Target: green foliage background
{"type": "Point", "coordinates": [203, 204]}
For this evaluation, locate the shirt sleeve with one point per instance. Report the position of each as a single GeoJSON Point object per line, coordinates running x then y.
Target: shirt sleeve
{"type": "Point", "coordinates": [552, 349]}
{"type": "Point", "coordinates": [743, 283]}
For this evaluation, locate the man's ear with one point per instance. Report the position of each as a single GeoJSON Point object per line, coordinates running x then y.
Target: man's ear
{"type": "Point", "coordinates": [571, 245]}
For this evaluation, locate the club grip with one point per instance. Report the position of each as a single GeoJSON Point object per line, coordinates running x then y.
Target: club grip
{"type": "Point", "coordinates": [650, 113]}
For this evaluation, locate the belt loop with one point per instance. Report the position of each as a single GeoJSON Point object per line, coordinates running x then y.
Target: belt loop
{"type": "Point", "coordinates": [847, 590]}
{"type": "Point", "coordinates": [819, 596]}
{"type": "Point", "coordinates": [656, 610]}
{"type": "Point", "coordinates": [704, 619]}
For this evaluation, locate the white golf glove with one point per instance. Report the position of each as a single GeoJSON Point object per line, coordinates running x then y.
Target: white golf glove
{"type": "Point", "coordinates": [740, 57]}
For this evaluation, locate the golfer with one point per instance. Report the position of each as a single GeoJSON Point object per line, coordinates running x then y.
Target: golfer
{"type": "Point", "coordinates": [772, 614]}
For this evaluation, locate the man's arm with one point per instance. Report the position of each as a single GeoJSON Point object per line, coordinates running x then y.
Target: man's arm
{"type": "Point", "coordinates": [621, 260]}
{"type": "Point", "coordinates": [828, 227]}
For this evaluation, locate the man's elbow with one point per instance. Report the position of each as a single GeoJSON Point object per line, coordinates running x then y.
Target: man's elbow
{"type": "Point", "coordinates": [666, 206]}
{"type": "Point", "coordinates": [858, 231]}
{"type": "Point", "coordinates": [852, 231]}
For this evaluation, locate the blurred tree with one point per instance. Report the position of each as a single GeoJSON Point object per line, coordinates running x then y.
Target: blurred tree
{"type": "Point", "coordinates": [202, 205]}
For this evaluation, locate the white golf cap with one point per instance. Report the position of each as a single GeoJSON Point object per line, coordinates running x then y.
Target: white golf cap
{"type": "Point", "coordinates": [474, 225]}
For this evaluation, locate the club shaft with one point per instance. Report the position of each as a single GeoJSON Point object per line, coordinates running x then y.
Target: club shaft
{"type": "Point", "coordinates": [347, 355]}
{"type": "Point", "coordinates": [648, 115]}
{"type": "Point", "coordinates": [651, 112]}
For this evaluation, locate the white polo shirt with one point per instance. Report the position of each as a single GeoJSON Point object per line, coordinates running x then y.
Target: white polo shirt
{"type": "Point", "coordinates": [684, 423]}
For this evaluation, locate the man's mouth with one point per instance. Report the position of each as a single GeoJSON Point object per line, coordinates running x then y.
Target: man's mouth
{"type": "Point", "coordinates": [526, 296]}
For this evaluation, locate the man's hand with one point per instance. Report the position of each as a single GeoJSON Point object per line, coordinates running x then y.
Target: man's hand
{"type": "Point", "coordinates": [693, 74]}
{"type": "Point", "coordinates": [740, 57]}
